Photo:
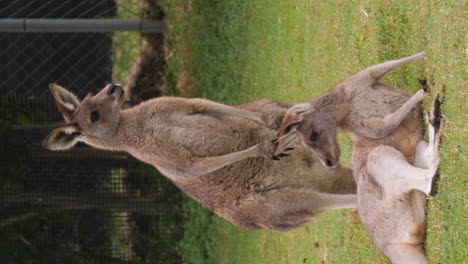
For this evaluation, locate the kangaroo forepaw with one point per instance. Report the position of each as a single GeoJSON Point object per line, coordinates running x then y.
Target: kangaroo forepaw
{"type": "Point", "coordinates": [424, 85]}
{"type": "Point", "coordinates": [282, 154]}
{"type": "Point", "coordinates": [267, 149]}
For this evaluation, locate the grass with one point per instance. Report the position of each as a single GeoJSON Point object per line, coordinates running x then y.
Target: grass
{"type": "Point", "coordinates": [238, 51]}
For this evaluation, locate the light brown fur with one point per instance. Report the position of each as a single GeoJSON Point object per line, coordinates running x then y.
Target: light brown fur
{"type": "Point", "coordinates": [218, 155]}
{"type": "Point", "coordinates": [385, 127]}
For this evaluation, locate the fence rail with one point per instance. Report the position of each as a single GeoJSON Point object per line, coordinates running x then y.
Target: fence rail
{"type": "Point", "coordinates": [81, 25]}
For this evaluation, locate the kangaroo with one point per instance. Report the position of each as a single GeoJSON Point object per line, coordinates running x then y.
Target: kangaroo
{"type": "Point", "coordinates": [393, 166]}
{"type": "Point", "coordinates": [217, 154]}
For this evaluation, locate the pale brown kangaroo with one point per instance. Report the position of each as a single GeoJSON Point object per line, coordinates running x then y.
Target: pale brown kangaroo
{"type": "Point", "coordinates": [213, 152]}
{"type": "Point", "coordinates": [393, 166]}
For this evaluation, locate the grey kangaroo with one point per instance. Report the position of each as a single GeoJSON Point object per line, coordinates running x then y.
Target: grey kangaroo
{"type": "Point", "coordinates": [393, 166]}
{"type": "Point", "coordinates": [213, 152]}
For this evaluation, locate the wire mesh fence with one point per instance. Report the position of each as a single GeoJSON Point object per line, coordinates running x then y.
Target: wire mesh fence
{"type": "Point", "coordinates": [83, 205]}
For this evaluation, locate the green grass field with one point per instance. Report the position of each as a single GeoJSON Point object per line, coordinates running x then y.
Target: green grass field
{"type": "Point", "coordinates": [236, 51]}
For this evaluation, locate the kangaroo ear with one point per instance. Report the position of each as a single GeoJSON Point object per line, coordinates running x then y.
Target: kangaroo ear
{"type": "Point", "coordinates": [294, 115]}
{"type": "Point", "coordinates": [66, 102]}
{"type": "Point", "coordinates": [62, 138]}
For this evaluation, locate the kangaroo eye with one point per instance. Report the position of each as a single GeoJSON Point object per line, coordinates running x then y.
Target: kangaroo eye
{"type": "Point", "coordinates": [94, 116]}
{"type": "Point", "coordinates": [314, 136]}
{"type": "Point", "coordinates": [288, 129]}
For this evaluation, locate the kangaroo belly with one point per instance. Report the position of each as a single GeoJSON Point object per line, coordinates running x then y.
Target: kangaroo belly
{"type": "Point", "coordinates": [388, 221]}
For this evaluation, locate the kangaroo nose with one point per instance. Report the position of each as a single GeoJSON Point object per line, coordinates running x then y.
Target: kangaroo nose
{"type": "Point", "coordinates": [330, 163]}
{"type": "Point", "coordinates": [113, 88]}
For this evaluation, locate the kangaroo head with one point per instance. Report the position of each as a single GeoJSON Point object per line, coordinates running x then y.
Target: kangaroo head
{"type": "Point", "coordinates": [315, 127]}
{"type": "Point", "coordinates": [93, 119]}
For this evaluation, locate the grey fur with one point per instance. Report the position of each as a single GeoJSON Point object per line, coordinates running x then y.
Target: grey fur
{"type": "Point", "coordinates": [217, 154]}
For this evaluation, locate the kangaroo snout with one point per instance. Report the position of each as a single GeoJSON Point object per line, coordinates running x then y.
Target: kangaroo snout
{"type": "Point", "coordinates": [114, 89]}
{"type": "Point", "coordinates": [330, 163]}
{"type": "Point", "coordinates": [327, 159]}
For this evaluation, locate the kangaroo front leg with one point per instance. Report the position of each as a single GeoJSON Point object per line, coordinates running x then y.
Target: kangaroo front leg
{"type": "Point", "coordinates": [202, 106]}
{"type": "Point", "coordinates": [178, 162]}
{"type": "Point", "coordinates": [373, 74]}
{"type": "Point", "coordinates": [377, 128]}
{"type": "Point", "coordinates": [201, 166]}
{"type": "Point", "coordinates": [392, 121]}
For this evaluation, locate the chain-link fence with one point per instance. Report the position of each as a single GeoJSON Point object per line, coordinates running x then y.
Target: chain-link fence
{"type": "Point", "coordinates": [83, 205]}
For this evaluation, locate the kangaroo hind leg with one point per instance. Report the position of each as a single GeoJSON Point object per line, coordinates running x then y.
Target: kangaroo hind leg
{"type": "Point", "coordinates": [287, 208]}
{"type": "Point", "coordinates": [390, 169]}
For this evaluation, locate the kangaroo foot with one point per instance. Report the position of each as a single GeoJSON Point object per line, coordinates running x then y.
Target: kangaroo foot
{"type": "Point", "coordinates": [267, 149]}
{"type": "Point", "coordinates": [424, 85]}
{"type": "Point", "coordinates": [435, 120]}
{"type": "Point", "coordinates": [435, 115]}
